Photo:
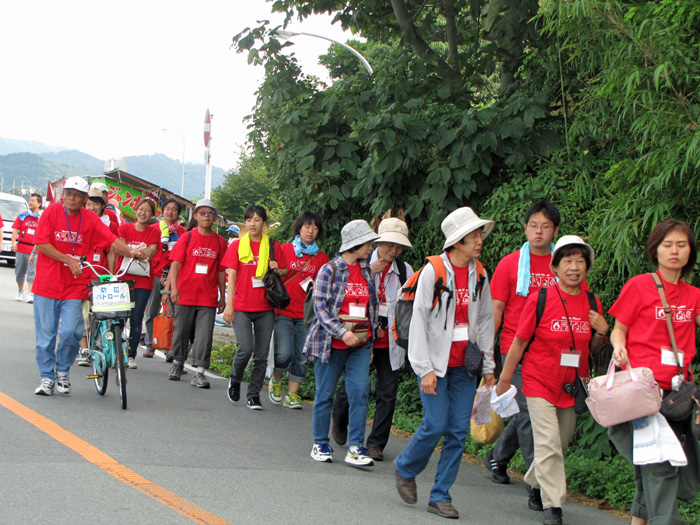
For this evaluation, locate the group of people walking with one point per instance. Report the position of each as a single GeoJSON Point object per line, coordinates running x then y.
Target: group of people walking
{"type": "Point", "coordinates": [538, 299]}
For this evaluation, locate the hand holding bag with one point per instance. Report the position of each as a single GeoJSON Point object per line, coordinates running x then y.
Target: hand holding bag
{"type": "Point", "coordinates": [623, 396]}
{"type": "Point", "coordinates": [678, 404]}
{"type": "Point", "coordinates": [163, 329]}
{"type": "Point", "coordinates": [134, 266]}
{"type": "Point", "coordinates": [275, 291]}
{"type": "Point", "coordinates": [357, 325]}
{"type": "Point", "coordinates": [486, 426]}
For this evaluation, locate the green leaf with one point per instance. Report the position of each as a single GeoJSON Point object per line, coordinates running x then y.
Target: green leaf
{"type": "Point", "coordinates": [305, 163]}
{"type": "Point", "coordinates": [306, 148]}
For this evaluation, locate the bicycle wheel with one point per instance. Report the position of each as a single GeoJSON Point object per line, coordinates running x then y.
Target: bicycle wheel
{"type": "Point", "coordinates": [100, 370]}
{"type": "Point", "coordinates": [120, 365]}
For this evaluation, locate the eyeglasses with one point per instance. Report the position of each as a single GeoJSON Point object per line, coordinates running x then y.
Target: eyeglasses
{"type": "Point", "coordinates": [544, 227]}
{"type": "Point", "coordinates": [207, 213]}
{"type": "Point", "coordinates": [478, 234]}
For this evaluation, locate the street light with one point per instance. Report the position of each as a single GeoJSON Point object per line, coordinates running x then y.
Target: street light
{"type": "Point", "coordinates": [182, 188]}
{"type": "Point", "coordinates": [286, 35]}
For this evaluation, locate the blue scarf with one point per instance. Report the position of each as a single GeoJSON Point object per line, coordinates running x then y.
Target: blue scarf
{"type": "Point", "coordinates": [26, 214]}
{"type": "Point", "coordinates": [301, 248]}
{"type": "Point", "coordinates": [523, 286]}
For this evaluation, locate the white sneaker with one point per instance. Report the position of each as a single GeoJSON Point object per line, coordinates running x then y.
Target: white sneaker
{"type": "Point", "coordinates": [19, 296]}
{"type": "Point", "coordinates": [30, 297]}
{"type": "Point", "coordinates": [358, 456]}
{"type": "Point", "coordinates": [132, 363]}
{"type": "Point", "coordinates": [62, 383]}
{"type": "Point", "coordinates": [322, 452]}
{"type": "Point", "coordinates": [84, 357]}
{"type": "Point", "coordinates": [45, 388]}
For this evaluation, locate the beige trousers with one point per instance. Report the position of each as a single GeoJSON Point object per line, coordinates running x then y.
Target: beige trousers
{"type": "Point", "coordinates": [552, 430]}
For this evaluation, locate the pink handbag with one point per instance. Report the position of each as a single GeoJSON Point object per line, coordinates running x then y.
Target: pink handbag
{"type": "Point", "coordinates": [622, 396]}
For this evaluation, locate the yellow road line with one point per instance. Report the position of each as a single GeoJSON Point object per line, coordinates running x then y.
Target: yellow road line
{"type": "Point", "coordinates": [110, 465]}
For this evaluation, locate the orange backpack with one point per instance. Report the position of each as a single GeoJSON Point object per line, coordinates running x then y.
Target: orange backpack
{"type": "Point", "coordinates": [404, 307]}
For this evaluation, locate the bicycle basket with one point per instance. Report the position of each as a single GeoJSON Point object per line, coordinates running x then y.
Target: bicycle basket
{"type": "Point", "coordinates": [112, 299]}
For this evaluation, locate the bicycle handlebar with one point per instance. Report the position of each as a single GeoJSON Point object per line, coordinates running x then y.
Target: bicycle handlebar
{"type": "Point", "coordinates": [103, 278]}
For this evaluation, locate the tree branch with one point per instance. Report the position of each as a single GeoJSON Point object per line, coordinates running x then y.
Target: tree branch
{"type": "Point", "coordinates": [451, 31]}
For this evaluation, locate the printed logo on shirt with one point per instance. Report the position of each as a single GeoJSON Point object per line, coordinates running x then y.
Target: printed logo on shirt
{"type": "Point", "coordinates": [577, 326]}
{"type": "Point", "coordinates": [298, 264]}
{"type": "Point", "coordinates": [538, 280]}
{"type": "Point", "coordinates": [204, 252]}
{"type": "Point", "coordinates": [679, 314]}
{"type": "Point", "coordinates": [357, 290]}
{"type": "Point", "coordinates": [64, 236]}
{"type": "Point", "coordinates": [251, 263]}
{"type": "Point", "coordinates": [462, 296]}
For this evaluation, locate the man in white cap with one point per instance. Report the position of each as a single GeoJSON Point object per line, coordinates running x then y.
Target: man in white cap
{"type": "Point", "coordinates": [438, 343]}
{"type": "Point", "coordinates": [196, 284]}
{"type": "Point", "coordinates": [390, 273]}
{"type": "Point", "coordinates": [65, 233]}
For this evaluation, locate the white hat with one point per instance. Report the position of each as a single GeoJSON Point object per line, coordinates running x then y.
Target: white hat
{"type": "Point", "coordinates": [568, 240]}
{"type": "Point", "coordinates": [76, 183]}
{"type": "Point", "coordinates": [100, 186]}
{"type": "Point", "coordinates": [461, 222]}
{"type": "Point", "coordinates": [356, 233]}
{"type": "Point", "coordinates": [205, 203]}
{"type": "Point", "coordinates": [394, 230]}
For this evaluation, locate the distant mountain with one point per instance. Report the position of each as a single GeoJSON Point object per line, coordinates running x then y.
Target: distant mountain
{"type": "Point", "coordinates": [32, 169]}
{"type": "Point", "coordinates": [25, 146]}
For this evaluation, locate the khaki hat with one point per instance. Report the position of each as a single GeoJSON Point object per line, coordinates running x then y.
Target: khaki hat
{"type": "Point", "coordinates": [568, 240]}
{"type": "Point", "coordinates": [97, 194]}
{"type": "Point", "coordinates": [356, 233]}
{"type": "Point", "coordinates": [461, 222]}
{"type": "Point", "coordinates": [394, 230]}
{"type": "Point", "coordinates": [100, 186]}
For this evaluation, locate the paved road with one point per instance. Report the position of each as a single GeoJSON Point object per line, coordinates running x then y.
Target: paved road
{"type": "Point", "coordinates": [196, 449]}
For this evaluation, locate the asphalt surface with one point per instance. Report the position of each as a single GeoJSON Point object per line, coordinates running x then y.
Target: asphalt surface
{"type": "Point", "coordinates": [242, 466]}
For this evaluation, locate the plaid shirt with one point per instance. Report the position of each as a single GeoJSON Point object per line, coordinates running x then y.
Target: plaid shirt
{"type": "Point", "coordinates": [328, 298]}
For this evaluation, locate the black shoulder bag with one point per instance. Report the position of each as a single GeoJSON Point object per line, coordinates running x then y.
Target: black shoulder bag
{"type": "Point", "coordinates": [275, 291]}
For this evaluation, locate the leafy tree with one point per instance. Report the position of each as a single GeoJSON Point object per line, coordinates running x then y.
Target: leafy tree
{"type": "Point", "coordinates": [249, 183]}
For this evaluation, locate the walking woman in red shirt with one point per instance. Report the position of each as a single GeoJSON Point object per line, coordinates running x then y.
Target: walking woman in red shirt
{"type": "Point", "coordinates": [136, 234]}
{"type": "Point", "coordinates": [641, 338]}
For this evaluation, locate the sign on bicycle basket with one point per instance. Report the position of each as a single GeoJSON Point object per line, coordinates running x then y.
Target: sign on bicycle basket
{"type": "Point", "coordinates": [111, 297]}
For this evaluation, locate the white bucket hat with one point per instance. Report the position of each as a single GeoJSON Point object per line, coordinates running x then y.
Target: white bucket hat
{"type": "Point", "coordinates": [100, 186]}
{"type": "Point", "coordinates": [568, 240]}
{"type": "Point", "coordinates": [461, 222]}
{"type": "Point", "coordinates": [356, 233]}
{"type": "Point", "coordinates": [205, 203]}
{"type": "Point", "coordinates": [394, 230]}
{"type": "Point", "coordinates": [76, 183]}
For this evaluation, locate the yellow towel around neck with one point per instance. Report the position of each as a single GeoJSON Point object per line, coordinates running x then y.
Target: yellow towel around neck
{"type": "Point", "coordinates": [245, 254]}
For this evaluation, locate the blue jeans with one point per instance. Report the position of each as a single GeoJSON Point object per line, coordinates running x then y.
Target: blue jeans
{"type": "Point", "coordinates": [353, 365]}
{"type": "Point", "coordinates": [47, 314]}
{"type": "Point", "coordinates": [446, 413]}
{"type": "Point", "coordinates": [290, 335]}
{"type": "Point", "coordinates": [141, 297]}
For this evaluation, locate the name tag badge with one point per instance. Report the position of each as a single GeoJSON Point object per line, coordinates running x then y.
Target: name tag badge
{"type": "Point", "coordinates": [460, 333]}
{"type": "Point", "coordinates": [669, 358]}
{"type": "Point", "coordinates": [171, 245]}
{"type": "Point", "coordinates": [570, 358]}
{"type": "Point", "coordinates": [383, 310]}
{"type": "Point", "coordinates": [258, 283]}
{"type": "Point", "coordinates": [95, 257]}
{"type": "Point", "coordinates": [358, 310]}
{"type": "Point", "coordinates": [30, 231]}
{"type": "Point", "coordinates": [201, 268]}
{"type": "Point", "coordinates": [306, 283]}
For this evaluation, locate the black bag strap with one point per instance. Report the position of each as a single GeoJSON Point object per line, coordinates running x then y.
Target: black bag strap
{"type": "Point", "coordinates": [402, 271]}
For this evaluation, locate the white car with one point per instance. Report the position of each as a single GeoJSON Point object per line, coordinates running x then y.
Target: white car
{"type": "Point", "coordinates": [10, 207]}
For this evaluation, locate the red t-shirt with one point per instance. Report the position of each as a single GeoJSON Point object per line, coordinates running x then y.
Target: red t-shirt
{"type": "Point", "coordinates": [295, 310]}
{"type": "Point", "coordinates": [461, 296]}
{"type": "Point", "coordinates": [356, 294]}
{"type": "Point", "coordinates": [203, 253]}
{"type": "Point", "coordinates": [503, 285]}
{"type": "Point", "coordinates": [133, 238]}
{"type": "Point", "coordinates": [161, 259]}
{"type": "Point", "coordinates": [27, 230]}
{"type": "Point", "coordinates": [639, 308]}
{"type": "Point", "coordinates": [543, 374]}
{"type": "Point", "coordinates": [53, 279]}
{"type": "Point", "coordinates": [248, 298]}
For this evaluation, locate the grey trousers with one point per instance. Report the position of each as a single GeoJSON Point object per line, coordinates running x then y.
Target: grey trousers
{"type": "Point", "coordinates": [518, 432]}
{"type": "Point", "coordinates": [660, 485]}
{"type": "Point", "coordinates": [202, 319]}
{"type": "Point", "coordinates": [253, 333]}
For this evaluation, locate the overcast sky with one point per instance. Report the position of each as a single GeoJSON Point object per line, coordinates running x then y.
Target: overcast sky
{"type": "Point", "coordinates": [105, 78]}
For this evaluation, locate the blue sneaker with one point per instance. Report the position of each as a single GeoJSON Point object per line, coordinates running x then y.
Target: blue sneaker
{"type": "Point", "coordinates": [322, 452]}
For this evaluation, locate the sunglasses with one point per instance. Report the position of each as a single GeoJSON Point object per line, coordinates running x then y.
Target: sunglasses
{"type": "Point", "coordinates": [207, 213]}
